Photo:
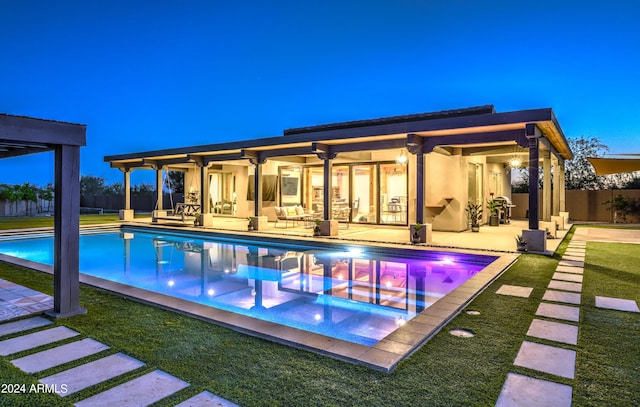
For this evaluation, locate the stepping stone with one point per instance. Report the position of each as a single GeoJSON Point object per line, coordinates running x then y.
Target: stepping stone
{"type": "Point", "coordinates": [89, 374]}
{"type": "Point", "coordinates": [549, 359]}
{"type": "Point", "coordinates": [205, 399]}
{"type": "Point", "coordinates": [23, 325]}
{"type": "Point", "coordinates": [568, 269]}
{"type": "Point", "coordinates": [9, 311]}
{"type": "Point", "coordinates": [571, 263]}
{"type": "Point", "coordinates": [33, 340]}
{"type": "Point", "coordinates": [573, 258]}
{"type": "Point", "coordinates": [565, 286]}
{"type": "Point", "coordinates": [617, 304]}
{"type": "Point", "coordinates": [515, 291]}
{"type": "Point", "coordinates": [49, 358]}
{"type": "Point", "coordinates": [575, 278]}
{"type": "Point", "coordinates": [554, 331]}
{"type": "Point", "coordinates": [557, 311]}
{"type": "Point", "coordinates": [572, 251]}
{"type": "Point", "coordinates": [141, 391]}
{"type": "Point", "coordinates": [524, 391]}
{"type": "Point", "coordinates": [561, 296]}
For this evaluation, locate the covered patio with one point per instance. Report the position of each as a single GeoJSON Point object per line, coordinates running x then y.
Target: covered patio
{"type": "Point", "coordinates": [396, 171]}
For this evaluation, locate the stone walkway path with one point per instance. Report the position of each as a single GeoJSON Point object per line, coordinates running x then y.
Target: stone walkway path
{"type": "Point", "coordinates": [26, 337]}
{"type": "Point", "coordinates": [561, 305]}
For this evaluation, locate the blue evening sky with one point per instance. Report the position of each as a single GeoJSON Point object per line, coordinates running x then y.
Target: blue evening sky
{"type": "Point", "coordinates": [146, 75]}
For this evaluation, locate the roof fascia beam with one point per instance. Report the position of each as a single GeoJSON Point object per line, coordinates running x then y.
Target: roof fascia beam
{"type": "Point", "coordinates": [23, 151]}
{"type": "Point", "coordinates": [253, 156]}
{"type": "Point", "coordinates": [159, 164]}
{"type": "Point", "coordinates": [27, 129]}
{"type": "Point", "coordinates": [429, 143]}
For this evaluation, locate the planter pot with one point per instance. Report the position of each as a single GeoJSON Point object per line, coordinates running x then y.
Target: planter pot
{"type": "Point", "coordinates": [475, 228]}
{"type": "Point", "coordinates": [522, 247]}
{"type": "Point", "coordinates": [317, 231]}
{"type": "Point", "coordinates": [415, 238]}
{"type": "Point", "coordinates": [494, 220]}
{"type": "Point", "coordinates": [250, 228]}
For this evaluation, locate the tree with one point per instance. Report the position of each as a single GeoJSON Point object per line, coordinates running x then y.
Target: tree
{"type": "Point", "coordinates": [176, 179]}
{"type": "Point", "coordinates": [579, 173]}
{"type": "Point", "coordinates": [27, 193]}
{"type": "Point", "coordinates": [633, 183]}
{"type": "Point", "coordinates": [91, 185]}
{"type": "Point", "coordinates": [143, 189]}
{"type": "Point", "coordinates": [116, 188]}
{"type": "Point", "coordinates": [46, 194]}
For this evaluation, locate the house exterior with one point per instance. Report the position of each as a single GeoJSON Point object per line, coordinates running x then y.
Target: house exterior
{"type": "Point", "coordinates": [397, 170]}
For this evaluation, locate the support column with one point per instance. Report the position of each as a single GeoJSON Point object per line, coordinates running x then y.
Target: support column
{"type": "Point", "coordinates": [127, 212]}
{"type": "Point", "coordinates": [533, 182]}
{"type": "Point", "coordinates": [328, 181]}
{"type": "Point", "coordinates": [556, 187]}
{"type": "Point", "coordinates": [204, 190]}
{"type": "Point", "coordinates": [420, 187]}
{"type": "Point", "coordinates": [66, 274]}
{"type": "Point", "coordinates": [257, 188]}
{"type": "Point", "coordinates": [562, 189]}
{"type": "Point", "coordinates": [546, 186]}
{"type": "Point", "coordinates": [127, 188]}
{"type": "Point", "coordinates": [159, 189]}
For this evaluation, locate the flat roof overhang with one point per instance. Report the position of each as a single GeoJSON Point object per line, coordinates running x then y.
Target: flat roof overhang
{"type": "Point", "coordinates": [474, 128]}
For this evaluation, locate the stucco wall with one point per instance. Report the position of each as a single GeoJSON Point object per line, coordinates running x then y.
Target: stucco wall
{"type": "Point", "coordinates": [581, 205]}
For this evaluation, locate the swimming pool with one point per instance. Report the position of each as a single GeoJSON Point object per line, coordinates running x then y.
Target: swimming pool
{"type": "Point", "coordinates": [355, 295]}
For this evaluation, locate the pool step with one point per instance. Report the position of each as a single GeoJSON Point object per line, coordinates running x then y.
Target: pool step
{"type": "Point", "coordinates": [140, 391]}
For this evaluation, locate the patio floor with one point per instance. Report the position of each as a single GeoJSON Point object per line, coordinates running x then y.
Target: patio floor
{"type": "Point", "coordinates": [501, 238]}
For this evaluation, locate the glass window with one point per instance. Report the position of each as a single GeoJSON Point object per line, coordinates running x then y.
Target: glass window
{"type": "Point", "coordinates": [393, 193]}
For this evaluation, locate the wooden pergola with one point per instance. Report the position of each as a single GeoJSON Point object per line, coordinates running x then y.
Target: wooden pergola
{"type": "Point", "coordinates": [25, 135]}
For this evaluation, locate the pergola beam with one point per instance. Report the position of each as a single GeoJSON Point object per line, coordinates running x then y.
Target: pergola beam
{"type": "Point", "coordinates": [66, 139]}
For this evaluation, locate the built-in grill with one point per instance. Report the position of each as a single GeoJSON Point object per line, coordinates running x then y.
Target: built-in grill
{"type": "Point", "coordinates": [504, 208]}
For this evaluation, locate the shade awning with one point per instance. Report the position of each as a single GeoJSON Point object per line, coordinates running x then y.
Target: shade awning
{"type": "Point", "coordinates": [605, 166]}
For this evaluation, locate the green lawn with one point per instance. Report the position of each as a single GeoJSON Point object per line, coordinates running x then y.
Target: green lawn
{"type": "Point", "coordinates": [47, 221]}
{"type": "Point", "coordinates": [447, 371]}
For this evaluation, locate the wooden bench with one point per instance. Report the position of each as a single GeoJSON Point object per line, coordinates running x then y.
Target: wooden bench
{"type": "Point", "coordinates": [183, 212]}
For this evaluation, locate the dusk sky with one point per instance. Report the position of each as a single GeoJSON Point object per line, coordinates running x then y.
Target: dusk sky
{"type": "Point", "coordinates": [145, 75]}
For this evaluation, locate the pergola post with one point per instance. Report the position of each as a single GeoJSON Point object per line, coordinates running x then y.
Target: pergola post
{"type": "Point", "coordinates": [159, 188]}
{"type": "Point", "coordinates": [562, 188]}
{"type": "Point", "coordinates": [536, 239]}
{"type": "Point", "coordinates": [257, 188]}
{"type": "Point", "coordinates": [127, 189]}
{"type": "Point", "coordinates": [328, 183]}
{"type": "Point", "coordinates": [546, 186]}
{"type": "Point", "coordinates": [66, 274]}
{"type": "Point", "coordinates": [534, 147]}
{"type": "Point", "coordinates": [556, 187]}
{"type": "Point", "coordinates": [420, 187]}
{"type": "Point", "coordinates": [204, 190]}
{"type": "Point", "coordinates": [127, 212]}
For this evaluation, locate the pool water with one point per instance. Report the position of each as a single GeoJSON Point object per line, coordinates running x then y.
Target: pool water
{"type": "Point", "coordinates": [355, 295]}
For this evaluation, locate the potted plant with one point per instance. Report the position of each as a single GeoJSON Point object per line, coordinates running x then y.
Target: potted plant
{"type": "Point", "coordinates": [316, 229]}
{"type": "Point", "coordinates": [197, 221]}
{"type": "Point", "coordinates": [415, 237]}
{"type": "Point", "coordinates": [475, 216]}
{"type": "Point", "coordinates": [494, 218]}
{"type": "Point", "coordinates": [250, 226]}
{"type": "Point", "coordinates": [521, 244]}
